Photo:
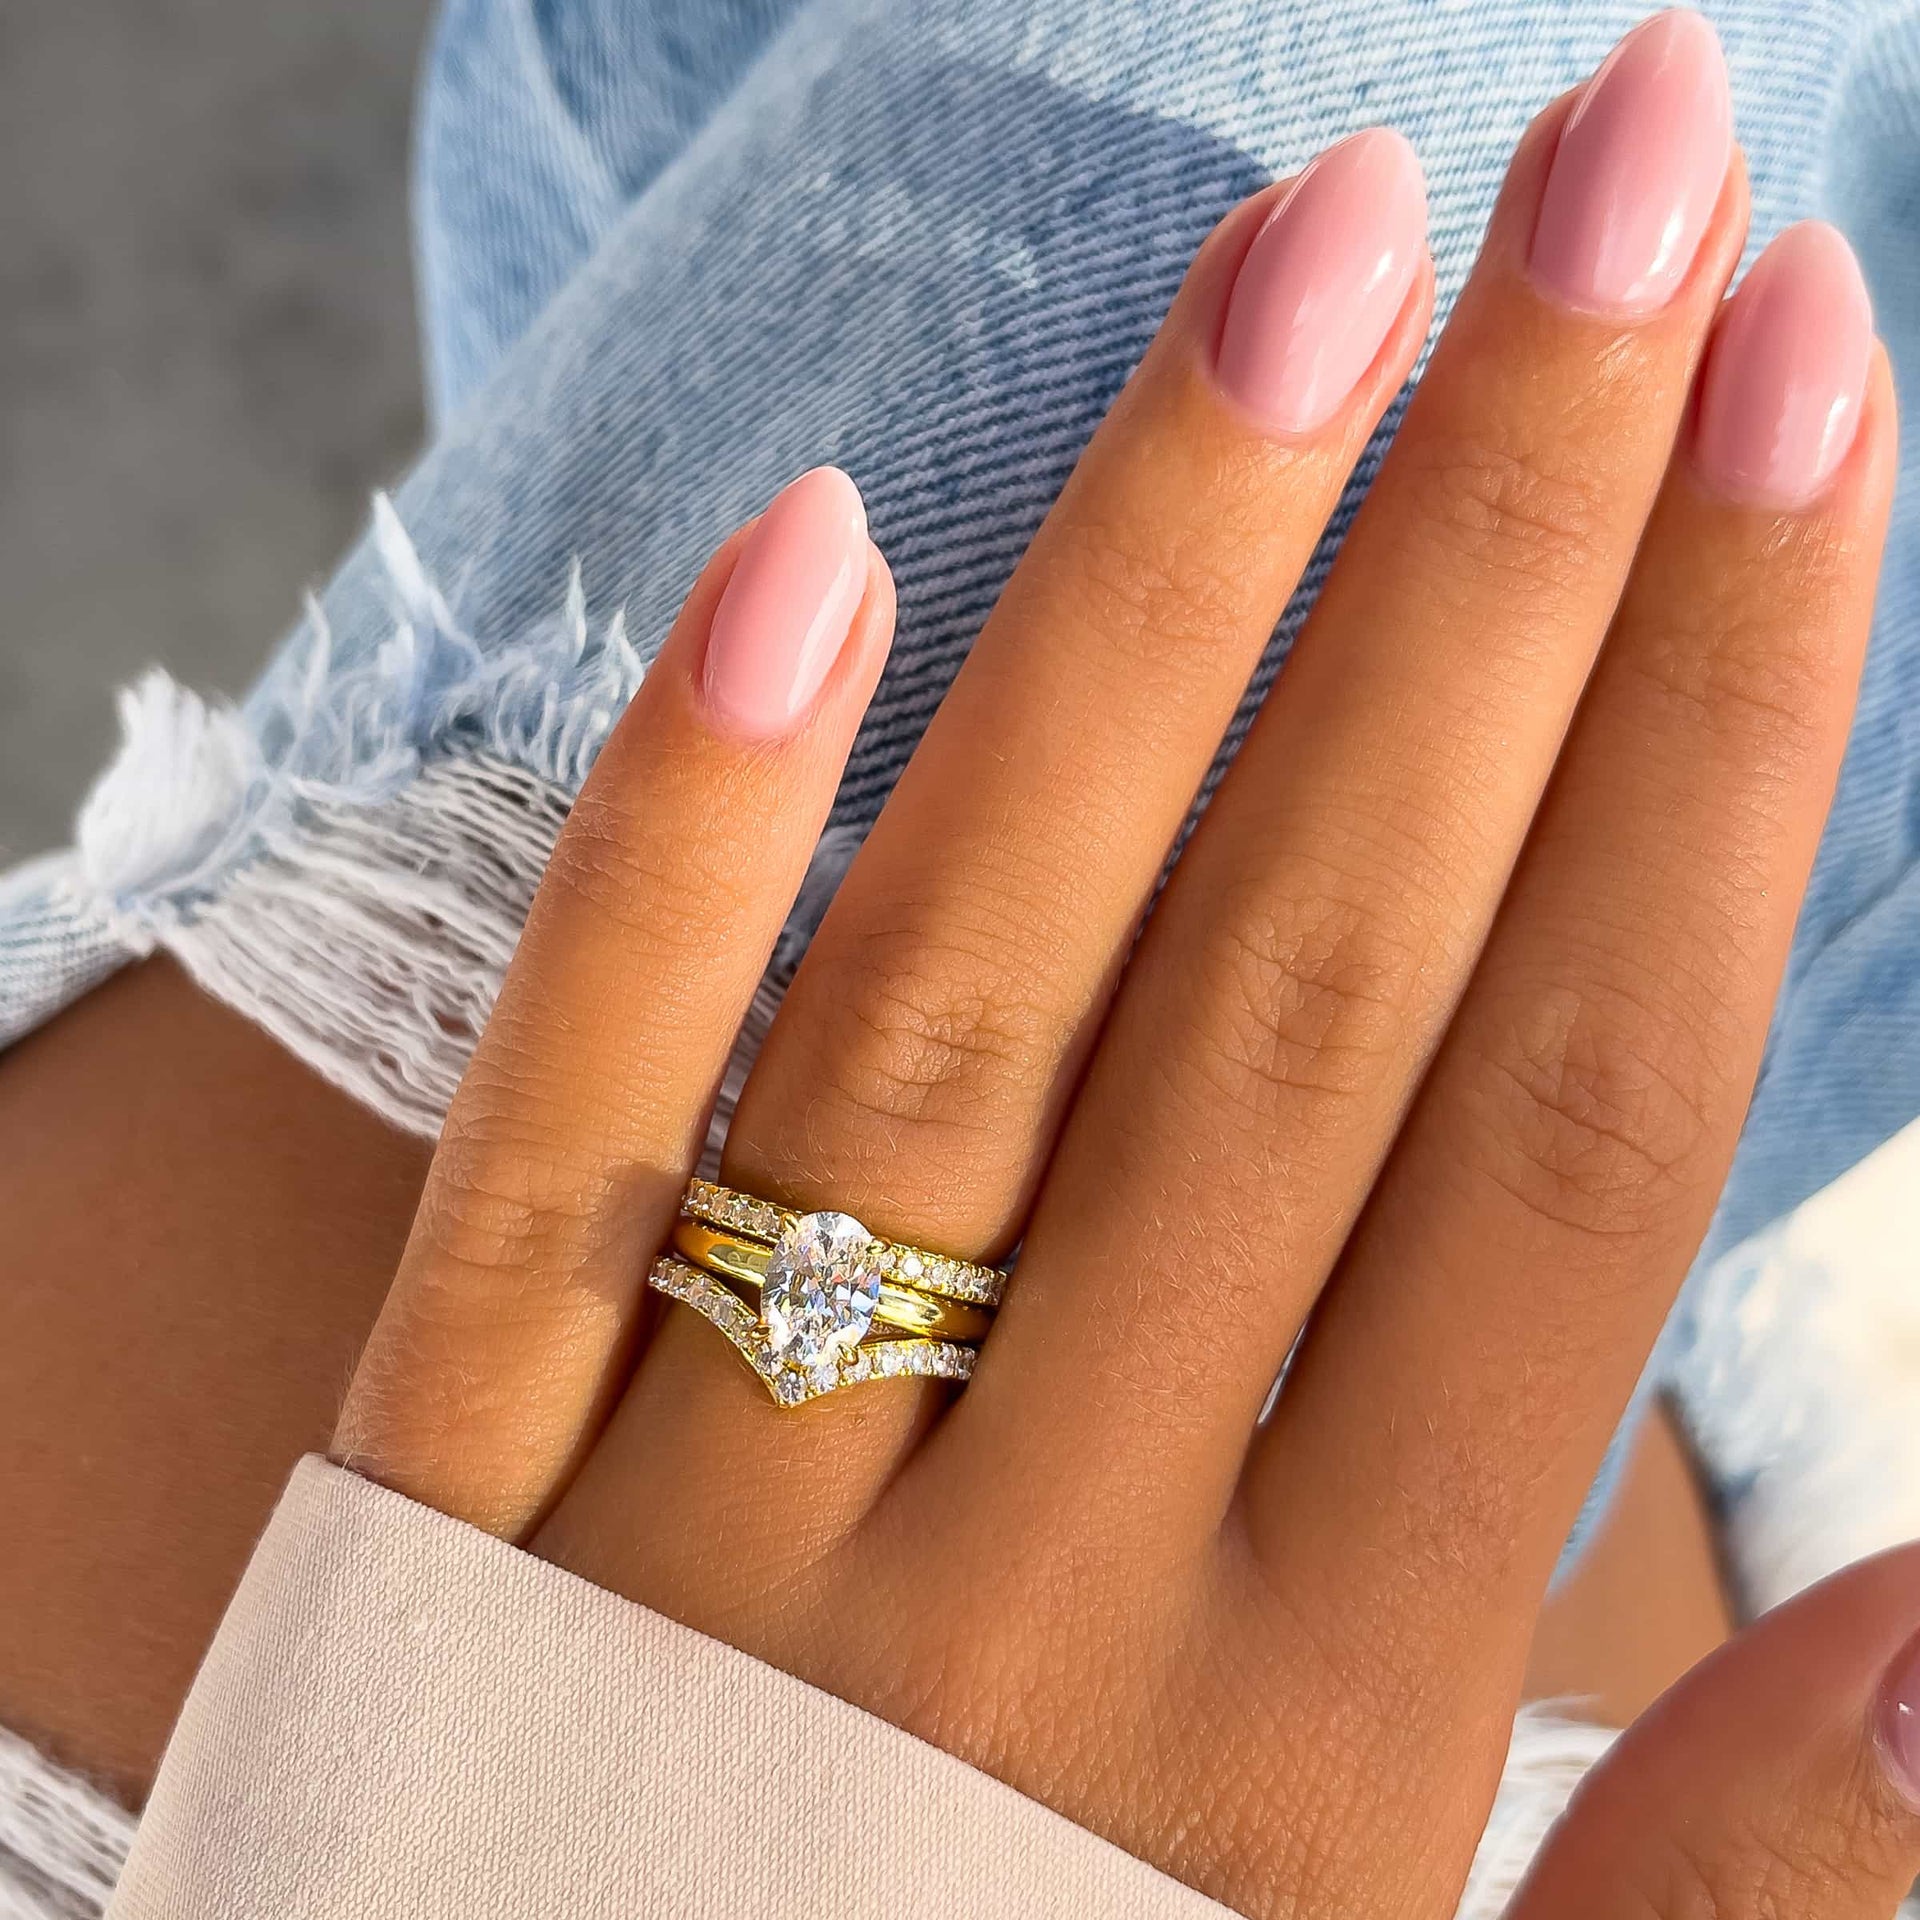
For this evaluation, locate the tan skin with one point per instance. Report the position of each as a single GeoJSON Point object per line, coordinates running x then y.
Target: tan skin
{"type": "Point", "coordinates": [235, 1222]}
{"type": "Point", "coordinates": [199, 1234]}
{"type": "Point", "coordinates": [1442, 1032]}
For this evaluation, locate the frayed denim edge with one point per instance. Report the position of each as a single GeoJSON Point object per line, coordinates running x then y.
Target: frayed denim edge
{"type": "Point", "coordinates": [349, 861]}
{"type": "Point", "coordinates": [62, 1841]}
{"type": "Point", "coordinates": [1799, 1386]}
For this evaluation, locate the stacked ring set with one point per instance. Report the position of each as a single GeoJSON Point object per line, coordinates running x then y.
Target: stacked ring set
{"type": "Point", "coordinates": [814, 1302]}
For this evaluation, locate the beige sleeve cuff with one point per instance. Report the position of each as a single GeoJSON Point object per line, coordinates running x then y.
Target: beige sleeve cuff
{"type": "Point", "coordinates": [403, 1716]}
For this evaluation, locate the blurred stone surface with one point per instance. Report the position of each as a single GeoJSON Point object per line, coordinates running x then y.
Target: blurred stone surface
{"type": "Point", "coordinates": [207, 355]}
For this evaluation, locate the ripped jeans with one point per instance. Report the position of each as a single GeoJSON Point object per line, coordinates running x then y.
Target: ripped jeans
{"type": "Point", "coordinates": [673, 253]}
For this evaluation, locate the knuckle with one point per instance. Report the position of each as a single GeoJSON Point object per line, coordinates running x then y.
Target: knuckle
{"type": "Point", "coordinates": [505, 1203]}
{"type": "Point", "coordinates": [1147, 587]}
{"type": "Point", "coordinates": [1301, 996]}
{"type": "Point", "coordinates": [640, 882]}
{"type": "Point", "coordinates": [1517, 511]}
{"type": "Point", "coordinates": [1763, 682]}
{"type": "Point", "coordinates": [933, 1034]}
{"type": "Point", "coordinates": [1592, 1112]}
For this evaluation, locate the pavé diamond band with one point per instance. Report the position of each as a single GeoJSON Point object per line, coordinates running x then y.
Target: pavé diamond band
{"type": "Point", "coordinates": [825, 1287]}
{"type": "Point", "coordinates": [714, 1300]}
{"type": "Point", "coordinates": [912, 1266]}
{"type": "Point", "coordinates": [744, 1263]}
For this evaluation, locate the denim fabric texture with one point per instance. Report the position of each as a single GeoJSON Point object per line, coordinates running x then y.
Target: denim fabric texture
{"type": "Point", "coordinates": [673, 253]}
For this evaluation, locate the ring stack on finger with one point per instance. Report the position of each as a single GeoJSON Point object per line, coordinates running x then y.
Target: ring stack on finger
{"type": "Point", "coordinates": [813, 1301]}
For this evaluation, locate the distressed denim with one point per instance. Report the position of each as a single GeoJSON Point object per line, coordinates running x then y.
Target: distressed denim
{"type": "Point", "coordinates": [670, 255]}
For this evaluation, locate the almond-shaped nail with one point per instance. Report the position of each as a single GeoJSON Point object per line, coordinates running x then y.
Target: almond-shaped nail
{"type": "Point", "coordinates": [1786, 372]}
{"type": "Point", "coordinates": [1324, 281]}
{"type": "Point", "coordinates": [787, 609]}
{"type": "Point", "coordinates": [1637, 172]}
{"type": "Point", "coordinates": [1899, 1722]}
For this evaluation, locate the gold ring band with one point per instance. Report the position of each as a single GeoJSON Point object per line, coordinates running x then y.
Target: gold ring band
{"type": "Point", "coordinates": [913, 1267]}
{"type": "Point", "coordinates": [824, 1286]}
{"type": "Point", "coordinates": [736, 1258]}
{"type": "Point", "coordinates": [718, 1304]}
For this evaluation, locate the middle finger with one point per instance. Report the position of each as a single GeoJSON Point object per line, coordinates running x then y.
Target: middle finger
{"type": "Point", "coordinates": [1320, 927]}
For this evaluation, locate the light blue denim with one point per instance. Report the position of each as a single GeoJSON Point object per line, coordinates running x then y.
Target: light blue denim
{"type": "Point", "coordinates": [672, 253]}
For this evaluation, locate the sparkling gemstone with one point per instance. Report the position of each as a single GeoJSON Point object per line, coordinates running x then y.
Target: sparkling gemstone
{"type": "Point", "coordinates": [821, 1289]}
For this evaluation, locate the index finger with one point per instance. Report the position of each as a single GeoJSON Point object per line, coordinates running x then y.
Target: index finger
{"type": "Point", "coordinates": [584, 1108]}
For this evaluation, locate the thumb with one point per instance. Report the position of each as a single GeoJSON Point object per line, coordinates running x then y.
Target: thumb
{"type": "Point", "coordinates": [1781, 1776]}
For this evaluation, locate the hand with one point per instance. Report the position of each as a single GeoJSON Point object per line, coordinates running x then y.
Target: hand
{"type": "Point", "coordinates": [1779, 1777]}
{"type": "Point", "coordinates": [1442, 1031]}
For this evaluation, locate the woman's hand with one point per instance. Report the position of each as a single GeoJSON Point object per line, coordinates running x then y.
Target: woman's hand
{"type": "Point", "coordinates": [1779, 1777]}
{"type": "Point", "coordinates": [1441, 1033]}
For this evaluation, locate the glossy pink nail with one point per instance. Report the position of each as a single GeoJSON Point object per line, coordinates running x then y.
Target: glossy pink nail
{"type": "Point", "coordinates": [1638, 171]}
{"type": "Point", "coordinates": [789, 606]}
{"type": "Point", "coordinates": [1786, 372]}
{"type": "Point", "coordinates": [1324, 281]}
{"type": "Point", "coordinates": [1899, 1722]}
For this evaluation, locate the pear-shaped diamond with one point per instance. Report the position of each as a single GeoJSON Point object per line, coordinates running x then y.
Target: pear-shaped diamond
{"type": "Point", "coordinates": [821, 1289]}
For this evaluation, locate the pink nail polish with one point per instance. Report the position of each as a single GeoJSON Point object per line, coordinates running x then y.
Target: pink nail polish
{"type": "Point", "coordinates": [1786, 372]}
{"type": "Point", "coordinates": [1638, 171]}
{"type": "Point", "coordinates": [1898, 1730]}
{"type": "Point", "coordinates": [789, 605]}
{"type": "Point", "coordinates": [1324, 281]}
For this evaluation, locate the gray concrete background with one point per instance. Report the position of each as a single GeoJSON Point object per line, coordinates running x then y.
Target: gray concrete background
{"type": "Point", "coordinates": [207, 353]}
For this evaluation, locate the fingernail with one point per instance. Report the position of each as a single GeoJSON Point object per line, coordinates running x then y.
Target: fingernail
{"type": "Point", "coordinates": [1899, 1727]}
{"type": "Point", "coordinates": [1324, 281]}
{"type": "Point", "coordinates": [1638, 170]}
{"type": "Point", "coordinates": [1787, 371]}
{"type": "Point", "coordinates": [789, 605]}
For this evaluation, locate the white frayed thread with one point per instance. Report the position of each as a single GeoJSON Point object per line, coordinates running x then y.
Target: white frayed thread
{"type": "Point", "coordinates": [1800, 1384]}
{"type": "Point", "coordinates": [1548, 1757]}
{"type": "Point", "coordinates": [197, 790]}
{"type": "Point", "coordinates": [371, 941]}
{"type": "Point", "coordinates": [62, 1842]}
{"type": "Point", "coordinates": [349, 862]}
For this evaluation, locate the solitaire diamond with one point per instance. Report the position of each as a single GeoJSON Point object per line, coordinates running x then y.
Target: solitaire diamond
{"type": "Point", "coordinates": [822, 1286]}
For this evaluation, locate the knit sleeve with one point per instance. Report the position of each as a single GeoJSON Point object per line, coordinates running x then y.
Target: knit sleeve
{"type": "Point", "coordinates": [404, 1716]}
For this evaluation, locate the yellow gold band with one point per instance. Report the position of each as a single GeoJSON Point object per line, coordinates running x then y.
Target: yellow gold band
{"type": "Point", "coordinates": [721, 1307]}
{"type": "Point", "coordinates": [736, 1258]}
{"type": "Point", "coordinates": [823, 1285]}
